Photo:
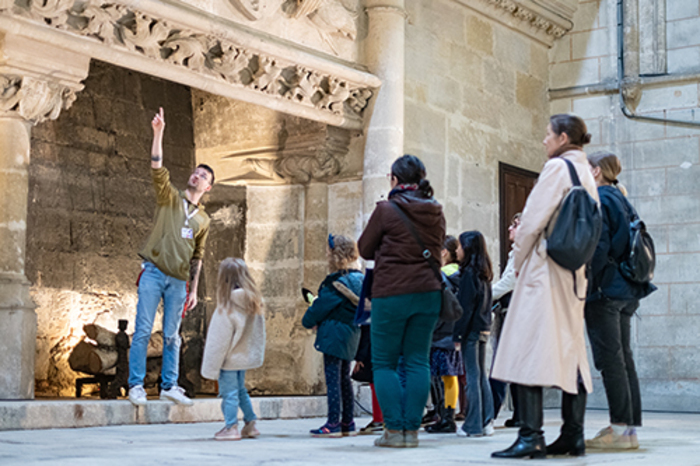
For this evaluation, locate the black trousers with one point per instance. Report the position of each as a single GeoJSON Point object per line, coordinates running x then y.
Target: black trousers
{"type": "Point", "coordinates": [573, 410]}
{"type": "Point", "coordinates": [608, 325]}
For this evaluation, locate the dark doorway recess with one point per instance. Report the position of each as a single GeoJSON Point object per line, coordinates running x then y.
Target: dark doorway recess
{"type": "Point", "coordinates": [514, 185]}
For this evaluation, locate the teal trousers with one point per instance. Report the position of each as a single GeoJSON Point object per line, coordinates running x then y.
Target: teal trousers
{"type": "Point", "coordinates": [403, 326]}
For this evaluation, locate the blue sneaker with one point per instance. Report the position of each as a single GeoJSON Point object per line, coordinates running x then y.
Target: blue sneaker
{"type": "Point", "coordinates": [327, 431]}
{"type": "Point", "coordinates": [348, 430]}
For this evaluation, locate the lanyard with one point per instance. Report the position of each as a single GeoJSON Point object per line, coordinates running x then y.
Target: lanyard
{"type": "Point", "coordinates": [188, 216]}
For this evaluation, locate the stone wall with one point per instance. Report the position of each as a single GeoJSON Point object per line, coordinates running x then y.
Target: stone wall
{"type": "Point", "coordinates": [475, 95]}
{"type": "Point", "coordinates": [660, 169]}
{"type": "Point", "coordinates": [91, 205]}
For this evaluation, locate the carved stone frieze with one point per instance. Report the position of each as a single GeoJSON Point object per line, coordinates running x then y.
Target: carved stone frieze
{"type": "Point", "coordinates": [523, 13]}
{"type": "Point", "coordinates": [299, 158]}
{"type": "Point", "coordinates": [118, 25]}
{"type": "Point", "coordinates": [251, 9]}
{"type": "Point", "coordinates": [333, 19]}
{"type": "Point", "coordinates": [34, 100]}
{"type": "Point", "coordinates": [543, 20]}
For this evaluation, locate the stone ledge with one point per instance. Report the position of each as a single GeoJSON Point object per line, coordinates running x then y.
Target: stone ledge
{"type": "Point", "coordinates": [59, 414]}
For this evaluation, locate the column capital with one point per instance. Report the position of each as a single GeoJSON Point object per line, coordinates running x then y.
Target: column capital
{"type": "Point", "coordinates": [386, 6]}
{"type": "Point", "coordinates": [32, 99]}
{"type": "Point", "coordinates": [38, 80]}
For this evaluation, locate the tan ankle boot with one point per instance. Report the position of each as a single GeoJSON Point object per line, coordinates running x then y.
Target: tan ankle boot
{"type": "Point", "coordinates": [391, 439]}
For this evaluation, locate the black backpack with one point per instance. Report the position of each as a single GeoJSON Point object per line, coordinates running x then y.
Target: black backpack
{"type": "Point", "coordinates": [638, 266]}
{"type": "Point", "coordinates": [576, 231]}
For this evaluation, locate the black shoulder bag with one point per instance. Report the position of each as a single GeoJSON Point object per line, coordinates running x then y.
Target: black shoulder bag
{"type": "Point", "coordinates": [450, 309]}
{"type": "Point", "coordinates": [576, 232]}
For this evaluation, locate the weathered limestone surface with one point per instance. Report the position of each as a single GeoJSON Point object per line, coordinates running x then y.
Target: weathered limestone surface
{"type": "Point", "coordinates": [331, 26]}
{"type": "Point", "coordinates": [53, 414]}
{"type": "Point", "coordinates": [474, 96]}
{"type": "Point", "coordinates": [276, 261]}
{"type": "Point", "coordinates": [660, 166]}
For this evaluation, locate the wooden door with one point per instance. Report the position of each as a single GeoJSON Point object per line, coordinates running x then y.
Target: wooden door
{"type": "Point", "coordinates": [514, 186]}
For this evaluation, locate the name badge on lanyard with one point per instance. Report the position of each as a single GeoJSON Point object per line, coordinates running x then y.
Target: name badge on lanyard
{"type": "Point", "coordinates": [187, 232]}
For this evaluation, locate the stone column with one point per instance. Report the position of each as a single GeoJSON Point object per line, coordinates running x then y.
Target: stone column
{"type": "Point", "coordinates": [37, 81]}
{"type": "Point", "coordinates": [384, 56]}
{"type": "Point", "coordinates": [17, 317]}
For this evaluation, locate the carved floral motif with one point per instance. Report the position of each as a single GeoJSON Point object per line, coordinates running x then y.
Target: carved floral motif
{"type": "Point", "coordinates": [33, 99]}
{"type": "Point", "coordinates": [528, 16]}
{"type": "Point", "coordinates": [118, 25]}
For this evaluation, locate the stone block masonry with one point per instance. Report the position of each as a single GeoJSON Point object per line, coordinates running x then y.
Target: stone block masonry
{"type": "Point", "coordinates": [91, 205]}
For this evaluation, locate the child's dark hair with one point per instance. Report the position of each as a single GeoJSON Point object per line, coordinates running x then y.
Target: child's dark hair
{"type": "Point", "coordinates": [450, 245]}
{"type": "Point", "coordinates": [476, 257]}
{"type": "Point", "coordinates": [408, 169]}
{"type": "Point", "coordinates": [573, 126]}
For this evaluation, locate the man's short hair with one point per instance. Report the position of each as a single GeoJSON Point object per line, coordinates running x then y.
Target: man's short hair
{"type": "Point", "coordinates": [209, 169]}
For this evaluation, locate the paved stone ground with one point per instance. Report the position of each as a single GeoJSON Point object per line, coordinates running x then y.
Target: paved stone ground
{"type": "Point", "coordinates": [666, 439]}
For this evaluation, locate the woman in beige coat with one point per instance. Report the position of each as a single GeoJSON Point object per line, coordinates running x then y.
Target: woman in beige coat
{"type": "Point", "coordinates": [542, 343]}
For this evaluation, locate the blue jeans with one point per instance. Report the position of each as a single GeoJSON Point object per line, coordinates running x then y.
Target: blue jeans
{"type": "Point", "coordinates": [154, 285]}
{"type": "Point", "coordinates": [479, 399]}
{"type": "Point", "coordinates": [403, 326]}
{"type": "Point", "coordinates": [233, 396]}
{"type": "Point", "coordinates": [339, 390]}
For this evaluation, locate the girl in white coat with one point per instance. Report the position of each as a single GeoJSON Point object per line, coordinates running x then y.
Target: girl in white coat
{"type": "Point", "coordinates": [235, 343]}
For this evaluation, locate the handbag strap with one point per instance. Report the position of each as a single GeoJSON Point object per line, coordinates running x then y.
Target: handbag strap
{"type": "Point", "coordinates": [572, 172]}
{"type": "Point", "coordinates": [426, 253]}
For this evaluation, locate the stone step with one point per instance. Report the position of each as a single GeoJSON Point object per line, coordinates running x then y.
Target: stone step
{"type": "Point", "coordinates": [58, 414]}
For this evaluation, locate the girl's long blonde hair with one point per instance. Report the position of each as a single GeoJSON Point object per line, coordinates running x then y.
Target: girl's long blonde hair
{"type": "Point", "coordinates": [233, 274]}
{"type": "Point", "coordinates": [610, 167]}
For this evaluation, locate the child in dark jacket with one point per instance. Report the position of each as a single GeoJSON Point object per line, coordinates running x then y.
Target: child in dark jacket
{"type": "Point", "coordinates": [445, 361]}
{"type": "Point", "coordinates": [472, 330]}
{"type": "Point", "coordinates": [332, 314]}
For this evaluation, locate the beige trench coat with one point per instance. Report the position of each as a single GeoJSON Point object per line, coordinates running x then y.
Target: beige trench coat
{"type": "Point", "coordinates": [543, 342]}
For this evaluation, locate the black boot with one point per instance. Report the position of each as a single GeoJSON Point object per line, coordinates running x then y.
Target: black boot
{"type": "Point", "coordinates": [515, 420]}
{"type": "Point", "coordinates": [571, 441]}
{"type": "Point", "coordinates": [530, 442]}
{"type": "Point", "coordinates": [446, 425]}
{"type": "Point", "coordinates": [531, 446]}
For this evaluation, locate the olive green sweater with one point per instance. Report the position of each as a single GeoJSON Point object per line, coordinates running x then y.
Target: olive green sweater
{"type": "Point", "coordinates": [166, 247]}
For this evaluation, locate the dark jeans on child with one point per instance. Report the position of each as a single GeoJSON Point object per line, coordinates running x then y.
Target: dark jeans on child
{"type": "Point", "coordinates": [339, 389]}
{"type": "Point", "coordinates": [608, 324]}
{"type": "Point", "coordinates": [479, 399]}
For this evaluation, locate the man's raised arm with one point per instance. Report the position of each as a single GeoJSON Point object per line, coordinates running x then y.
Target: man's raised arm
{"type": "Point", "coordinates": [158, 125]}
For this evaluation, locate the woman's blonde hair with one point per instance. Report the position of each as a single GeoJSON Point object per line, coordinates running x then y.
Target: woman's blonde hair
{"type": "Point", "coordinates": [343, 253]}
{"type": "Point", "coordinates": [610, 167]}
{"type": "Point", "coordinates": [233, 274]}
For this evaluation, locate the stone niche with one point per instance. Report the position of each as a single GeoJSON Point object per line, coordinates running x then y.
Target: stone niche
{"type": "Point", "coordinates": [302, 179]}
{"type": "Point", "coordinates": [90, 208]}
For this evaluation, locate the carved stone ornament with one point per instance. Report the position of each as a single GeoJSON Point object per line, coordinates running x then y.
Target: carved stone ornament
{"type": "Point", "coordinates": [251, 9]}
{"type": "Point", "coordinates": [333, 19]}
{"type": "Point", "coordinates": [33, 99]}
{"type": "Point", "coordinates": [118, 25]}
{"type": "Point", "coordinates": [296, 159]}
{"type": "Point", "coordinates": [520, 11]}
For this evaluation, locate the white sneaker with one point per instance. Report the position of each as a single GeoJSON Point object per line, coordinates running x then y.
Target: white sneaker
{"type": "Point", "coordinates": [489, 430]}
{"type": "Point", "coordinates": [137, 395]}
{"type": "Point", "coordinates": [461, 433]}
{"type": "Point", "coordinates": [176, 394]}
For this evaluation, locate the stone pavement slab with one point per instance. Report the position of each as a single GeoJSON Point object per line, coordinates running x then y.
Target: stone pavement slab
{"type": "Point", "coordinates": [667, 439]}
